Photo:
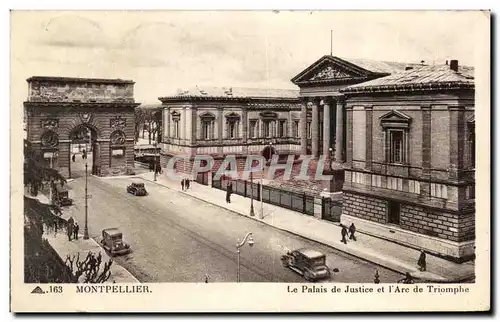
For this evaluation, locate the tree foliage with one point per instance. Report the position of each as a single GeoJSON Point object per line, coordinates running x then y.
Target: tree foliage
{"type": "Point", "coordinates": [36, 173]}
{"type": "Point", "coordinates": [149, 118]}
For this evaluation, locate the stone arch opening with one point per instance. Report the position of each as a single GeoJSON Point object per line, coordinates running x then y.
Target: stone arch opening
{"type": "Point", "coordinates": [84, 149]}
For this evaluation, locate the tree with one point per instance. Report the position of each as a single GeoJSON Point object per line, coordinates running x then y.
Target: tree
{"type": "Point", "coordinates": [36, 173]}
{"type": "Point", "coordinates": [140, 117]}
{"type": "Point", "coordinates": [41, 262]}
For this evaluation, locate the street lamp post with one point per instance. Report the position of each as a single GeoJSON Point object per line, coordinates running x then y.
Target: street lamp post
{"type": "Point", "coordinates": [155, 161]}
{"type": "Point", "coordinates": [252, 213]}
{"type": "Point", "coordinates": [86, 230]}
{"type": "Point", "coordinates": [238, 246]}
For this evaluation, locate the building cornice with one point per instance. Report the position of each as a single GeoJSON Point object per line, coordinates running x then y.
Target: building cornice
{"type": "Point", "coordinates": [416, 87]}
{"type": "Point", "coordinates": [81, 104]}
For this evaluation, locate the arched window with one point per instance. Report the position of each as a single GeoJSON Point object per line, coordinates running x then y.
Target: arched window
{"type": "Point", "coordinates": [176, 117]}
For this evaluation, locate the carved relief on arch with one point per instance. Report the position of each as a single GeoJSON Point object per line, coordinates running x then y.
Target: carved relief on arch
{"type": "Point", "coordinates": [49, 139]}
{"type": "Point", "coordinates": [117, 138]}
{"type": "Point", "coordinates": [49, 124]}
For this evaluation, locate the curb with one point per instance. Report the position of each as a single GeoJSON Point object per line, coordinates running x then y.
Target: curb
{"type": "Point", "coordinates": [386, 265]}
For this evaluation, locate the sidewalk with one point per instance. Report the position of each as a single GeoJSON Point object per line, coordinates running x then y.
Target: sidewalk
{"type": "Point", "coordinates": [59, 241]}
{"type": "Point", "coordinates": [379, 251]}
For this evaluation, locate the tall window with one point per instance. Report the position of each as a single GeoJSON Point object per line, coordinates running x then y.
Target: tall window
{"type": "Point", "coordinates": [414, 186]}
{"type": "Point", "coordinates": [282, 129]}
{"type": "Point", "coordinates": [232, 125]}
{"type": "Point", "coordinates": [207, 127]}
{"type": "Point", "coordinates": [176, 117]}
{"type": "Point", "coordinates": [254, 128]}
{"type": "Point", "coordinates": [397, 146]}
{"type": "Point", "coordinates": [396, 130]}
{"type": "Point", "coordinates": [471, 143]}
{"type": "Point", "coordinates": [176, 129]}
{"type": "Point", "coordinates": [296, 125]}
{"type": "Point", "coordinates": [266, 127]}
{"type": "Point", "coordinates": [309, 129]}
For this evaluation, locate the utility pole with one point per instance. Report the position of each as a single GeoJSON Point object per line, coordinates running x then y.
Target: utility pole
{"type": "Point", "coordinates": [252, 213]}
{"type": "Point", "coordinates": [86, 230]}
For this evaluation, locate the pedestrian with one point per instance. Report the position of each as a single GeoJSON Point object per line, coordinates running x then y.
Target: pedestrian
{"type": "Point", "coordinates": [76, 228]}
{"type": "Point", "coordinates": [421, 261]}
{"type": "Point", "coordinates": [187, 183]}
{"type": "Point", "coordinates": [229, 191]}
{"type": "Point", "coordinates": [344, 233]}
{"type": "Point", "coordinates": [182, 184]}
{"type": "Point", "coordinates": [84, 154]}
{"type": "Point", "coordinates": [352, 230]}
{"type": "Point", "coordinates": [71, 221]}
{"type": "Point", "coordinates": [73, 157]}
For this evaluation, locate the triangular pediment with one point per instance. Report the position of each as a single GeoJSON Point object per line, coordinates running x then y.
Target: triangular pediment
{"type": "Point", "coordinates": [395, 119]}
{"type": "Point", "coordinates": [395, 116]}
{"type": "Point", "coordinates": [331, 69]}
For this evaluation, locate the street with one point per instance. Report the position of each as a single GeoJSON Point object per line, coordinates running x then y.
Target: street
{"type": "Point", "coordinates": [176, 238]}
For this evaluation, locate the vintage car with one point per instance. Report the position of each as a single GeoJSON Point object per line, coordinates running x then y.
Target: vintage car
{"type": "Point", "coordinates": [112, 242]}
{"type": "Point", "coordinates": [137, 189]}
{"type": "Point", "coordinates": [60, 196]}
{"type": "Point", "coordinates": [307, 262]}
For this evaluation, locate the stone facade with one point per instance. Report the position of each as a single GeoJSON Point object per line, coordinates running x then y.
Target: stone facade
{"type": "Point", "coordinates": [410, 161]}
{"type": "Point", "coordinates": [58, 107]}
{"type": "Point", "coordinates": [231, 124]}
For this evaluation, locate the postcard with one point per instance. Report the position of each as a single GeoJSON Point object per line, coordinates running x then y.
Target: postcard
{"type": "Point", "coordinates": [250, 161]}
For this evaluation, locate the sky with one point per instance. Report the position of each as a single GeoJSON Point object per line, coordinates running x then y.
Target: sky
{"type": "Point", "coordinates": [163, 51]}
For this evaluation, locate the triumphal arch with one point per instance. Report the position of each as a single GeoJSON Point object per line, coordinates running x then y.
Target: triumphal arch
{"type": "Point", "coordinates": [69, 118]}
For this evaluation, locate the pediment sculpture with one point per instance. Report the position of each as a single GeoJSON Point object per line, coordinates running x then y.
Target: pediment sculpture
{"type": "Point", "coordinates": [329, 73]}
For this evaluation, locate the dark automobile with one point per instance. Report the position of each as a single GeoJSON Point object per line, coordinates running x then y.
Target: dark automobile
{"type": "Point", "coordinates": [307, 262]}
{"type": "Point", "coordinates": [137, 189]}
{"type": "Point", "coordinates": [60, 197]}
{"type": "Point", "coordinates": [112, 242]}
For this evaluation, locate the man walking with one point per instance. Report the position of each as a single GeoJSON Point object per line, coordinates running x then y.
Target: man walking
{"type": "Point", "coordinates": [75, 230]}
{"type": "Point", "coordinates": [187, 183]}
{"type": "Point", "coordinates": [70, 227]}
{"type": "Point", "coordinates": [422, 262]}
{"type": "Point", "coordinates": [73, 157]}
{"type": "Point", "coordinates": [344, 233]}
{"type": "Point", "coordinates": [352, 230]}
{"type": "Point", "coordinates": [229, 191]}
{"type": "Point", "coordinates": [182, 184]}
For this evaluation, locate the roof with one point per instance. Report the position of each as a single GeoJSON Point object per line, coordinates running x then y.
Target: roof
{"type": "Point", "coordinates": [383, 67]}
{"type": "Point", "coordinates": [234, 92]}
{"type": "Point", "coordinates": [112, 231]}
{"type": "Point", "coordinates": [421, 77]}
{"type": "Point", "coordinates": [310, 253]}
{"type": "Point", "coordinates": [332, 69]}
{"type": "Point", "coordinates": [79, 80]}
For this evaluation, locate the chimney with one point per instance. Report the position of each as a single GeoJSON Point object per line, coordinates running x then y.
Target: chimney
{"type": "Point", "coordinates": [408, 68]}
{"type": "Point", "coordinates": [454, 65]}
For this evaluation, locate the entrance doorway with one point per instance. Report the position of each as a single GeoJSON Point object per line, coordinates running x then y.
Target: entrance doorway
{"type": "Point", "coordinates": [83, 150]}
{"type": "Point", "coordinates": [394, 210]}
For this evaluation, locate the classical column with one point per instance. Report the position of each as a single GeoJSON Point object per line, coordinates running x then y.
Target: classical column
{"type": "Point", "coordinates": [339, 136]}
{"type": "Point", "coordinates": [194, 123]}
{"type": "Point", "coordinates": [219, 120]}
{"type": "Point", "coordinates": [315, 129]}
{"type": "Point", "coordinates": [326, 128]}
{"type": "Point", "coordinates": [303, 128]}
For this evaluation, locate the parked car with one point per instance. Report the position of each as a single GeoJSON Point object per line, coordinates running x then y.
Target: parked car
{"type": "Point", "coordinates": [61, 197]}
{"type": "Point", "coordinates": [112, 242]}
{"type": "Point", "coordinates": [137, 189]}
{"type": "Point", "coordinates": [307, 262]}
